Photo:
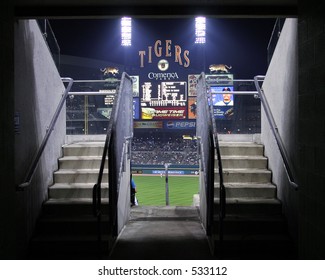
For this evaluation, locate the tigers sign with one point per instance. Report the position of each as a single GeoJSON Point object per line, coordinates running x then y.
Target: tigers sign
{"type": "Point", "coordinates": [165, 49]}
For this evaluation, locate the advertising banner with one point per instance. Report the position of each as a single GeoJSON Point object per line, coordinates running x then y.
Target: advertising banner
{"type": "Point", "coordinates": [136, 108]}
{"type": "Point", "coordinates": [135, 85]}
{"type": "Point", "coordinates": [180, 124]}
{"type": "Point", "coordinates": [224, 99]}
{"type": "Point", "coordinates": [148, 124]}
{"type": "Point", "coordinates": [192, 82]}
{"type": "Point", "coordinates": [223, 112]}
{"type": "Point", "coordinates": [219, 79]}
{"type": "Point", "coordinates": [161, 113]}
{"type": "Point", "coordinates": [192, 108]}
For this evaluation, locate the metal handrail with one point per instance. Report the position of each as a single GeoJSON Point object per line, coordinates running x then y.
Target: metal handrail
{"type": "Point", "coordinates": [96, 199]}
{"type": "Point", "coordinates": [287, 163]}
{"type": "Point", "coordinates": [222, 189]}
{"type": "Point", "coordinates": [97, 186]}
{"type": "Point", "coordinates": [35, 161]}
{"type": "Point", "coordinates": [97, 196]}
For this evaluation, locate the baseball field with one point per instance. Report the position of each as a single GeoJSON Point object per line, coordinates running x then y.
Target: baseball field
{"type": "Point", "coordinates": [151, 190]}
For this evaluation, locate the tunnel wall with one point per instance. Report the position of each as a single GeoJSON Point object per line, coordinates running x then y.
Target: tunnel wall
{"type": "Point", "coordinates": [281, 88]}
{"type": "Point", "coordinates": [38, 89]}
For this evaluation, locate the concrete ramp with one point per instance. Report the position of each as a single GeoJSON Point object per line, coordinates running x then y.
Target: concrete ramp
{"type": "Point", "coordinates": [162, 233]}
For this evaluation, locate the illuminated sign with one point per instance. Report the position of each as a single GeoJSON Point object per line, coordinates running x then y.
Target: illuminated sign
{"type": "Point", "coordinates": [192, 83]}
{"type": "Point", "coordinates": [221, 97]}
{"type": "Point", "coordinates": [180, 124]}
{"type": "Point", "coordinates": [219, 79]}
{"type": "Point", "coordinates": [145, 124]}
{"type": "Point", "coordinates": [135, 85]}
{"type": "Point", "coordinates": [162, 76]}
{"type": "Point", "coordinates": [164, 94]}
{"type": "Point", "coordinates": [192, 107]}
{"type": "Point", "coordinates": [165, 50]}
{"type": "Point", "coordinates": [154, 113]}
{"type": "Point", "coordinates": [136, 108]}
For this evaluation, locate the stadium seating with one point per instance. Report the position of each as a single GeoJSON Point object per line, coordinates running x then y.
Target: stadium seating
{"type": "Point", "coordinates": [156, 150]}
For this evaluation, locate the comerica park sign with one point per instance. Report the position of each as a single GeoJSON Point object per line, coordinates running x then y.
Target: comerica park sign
{"type": "Point", "coordinates": [165, 49]}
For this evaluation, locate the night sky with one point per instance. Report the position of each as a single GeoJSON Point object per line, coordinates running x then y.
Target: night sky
{"type": "Point", "coordinates": [241, 43]}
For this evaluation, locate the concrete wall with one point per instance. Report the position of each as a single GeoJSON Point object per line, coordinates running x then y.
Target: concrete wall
{"type": "Point", "coordinates": [38, 89]}
{"type": "Point", "coordinates": [312, 130]}
{"type": "Point", "coordinates": [7, 190]}
{"type": "Point", "coordinates": [123, 207]}
{"type": "Point", "coordinates": [310, 123]}
{"type": "Point", "coordinates": [281, 88]}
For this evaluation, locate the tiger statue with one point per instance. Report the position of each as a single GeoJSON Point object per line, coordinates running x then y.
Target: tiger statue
{"type": "Point", "coordinates": [219, 68]}
{"type": "Point", "coordinates": [107, 70]}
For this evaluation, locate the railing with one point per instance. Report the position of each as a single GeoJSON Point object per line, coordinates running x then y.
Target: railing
{"type": "Point", "coordinates": [35, 161]}
{"type": "Point", "coordinates": [287, 163]}
{"type": "Point", "coordinates": [222, 189]}
{"type": "Point", "coordinates": [276, 32]}
{"type": "Point", "coordinates": [89, 106]}
{"type": "Point", "coordinates": [206, 156]}
{"type": "Point", "coordinates": [97, 198]}
{"type": "Point", "coordinates": [117, 151]}
{"type": "Point", "coordinates": [242, 114]}
{"type": "Point", "coordinates": [50, 40]}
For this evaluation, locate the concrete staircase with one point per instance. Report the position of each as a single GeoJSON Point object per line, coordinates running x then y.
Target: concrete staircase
{"type": "Point", "coordinates": [66, 228]}
{"type": "Point", "coordinates": [254, 227]}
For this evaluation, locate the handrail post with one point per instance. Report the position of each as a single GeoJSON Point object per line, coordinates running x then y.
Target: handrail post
{"type": "Point", "coordinates": [166, 181]}
{"type": "Point", "coordinates": [49, 130]}
{"type": "Point", "coordinates": [222, 190]}
{"type": "Point", "coordinates": [274, 128]}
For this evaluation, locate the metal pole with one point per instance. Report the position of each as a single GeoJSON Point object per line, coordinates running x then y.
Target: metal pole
{"type": "Point", "coordinates": [167, 187]}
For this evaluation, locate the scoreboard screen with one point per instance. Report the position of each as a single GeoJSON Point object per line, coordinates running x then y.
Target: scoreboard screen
{"type": "Point", "coordinates": [164, 94]}
{"type": "Point", "coordinates": [164, 100]}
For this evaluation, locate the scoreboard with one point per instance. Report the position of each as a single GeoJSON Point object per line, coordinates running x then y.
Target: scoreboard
{"type": "Point", "coordinates": [175, 100]}
{"type": "Point", "coordinates": [164, 100]}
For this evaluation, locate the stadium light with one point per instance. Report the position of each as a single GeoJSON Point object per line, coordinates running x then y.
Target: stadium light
{"type": "Point", "coordinates": [200, 30]}
{"type": "Point", "coordinates": [126, 31]}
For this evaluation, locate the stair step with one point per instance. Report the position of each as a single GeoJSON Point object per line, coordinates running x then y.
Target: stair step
{"type": "Point", "coordinates": [245, 175]}
{"type": "Point", "coordinates": [247, 190]}
{"type": "Point", "coordinates": [68, 247]}
{"type": "Point", "coordinates": [72, 207]}
{"type": "Point", "coordinates": [79, 176]}
{"type": "Point", "coordinates": [81, 162]}
{"type": "Point", "coordinates": [230, 162]}
{"type": "Point", "coordinates": [241, 149]}
{"type": "Point", "coordinates": [257, 247]}
{"type": "Point", "coordinates": [84, 149]}
{"type": "Point", "coordinates": [251, 224]}
{"type": "Point", "coordinates": [250, 206]}
{"type": "Point", "coordinates": [75, 190]}
{"type": "Point", "coordinates": [82, 225]}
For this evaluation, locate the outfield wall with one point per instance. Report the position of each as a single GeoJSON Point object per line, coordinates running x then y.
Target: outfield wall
{"type": "Point", "coordinates": [160, 169]}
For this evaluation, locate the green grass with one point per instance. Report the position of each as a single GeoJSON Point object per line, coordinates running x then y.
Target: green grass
{"type": "Point", "coordinates": [151, 190]}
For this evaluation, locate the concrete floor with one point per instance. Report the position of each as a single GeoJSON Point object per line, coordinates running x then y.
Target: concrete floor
{"type": "Point", "coordinates": [162, 233]}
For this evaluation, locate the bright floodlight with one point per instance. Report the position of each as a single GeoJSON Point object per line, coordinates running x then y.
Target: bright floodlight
{"type": "Point", "coordinates": [126, 31]}
{"type": "Point", "coordinates": [200, 30]}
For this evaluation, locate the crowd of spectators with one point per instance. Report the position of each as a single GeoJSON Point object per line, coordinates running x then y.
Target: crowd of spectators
{"type": "Point", "coordinates": [157, 150]}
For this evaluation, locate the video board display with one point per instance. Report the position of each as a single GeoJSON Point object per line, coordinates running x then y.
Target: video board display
{"type": "Point", "coordinates": [221, 97]}
{"type": "Point", "coordinates": [164, 94]}
{"type": "Point", "coordinates": [164, 100]}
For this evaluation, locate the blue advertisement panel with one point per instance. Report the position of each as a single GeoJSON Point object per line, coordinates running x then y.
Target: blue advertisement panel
{"type": "Point", "coordinates": [223, 102]}
{"type": "Point", "coordinates": [180, 124]}
{"type": "Point", "coordinates": [224, 99]}
{"type": "Point", "coordinates": [136, 108]}
{"type": "Point", "coordinates": [223, 112]}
